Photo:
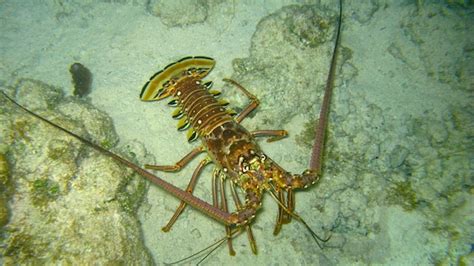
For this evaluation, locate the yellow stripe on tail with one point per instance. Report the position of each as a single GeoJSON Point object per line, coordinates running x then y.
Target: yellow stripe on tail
{"type": "Point", "coordinates": [161, 85]}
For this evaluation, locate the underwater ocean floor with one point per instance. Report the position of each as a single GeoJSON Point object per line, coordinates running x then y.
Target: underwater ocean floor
{"type": "Point", "coordinates": [397, 186]}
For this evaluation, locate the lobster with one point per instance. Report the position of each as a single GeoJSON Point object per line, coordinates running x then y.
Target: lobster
{"type": "Point", "coordinates": [229, 145]}
{"type": "Point", "coordinates": [233, 149]}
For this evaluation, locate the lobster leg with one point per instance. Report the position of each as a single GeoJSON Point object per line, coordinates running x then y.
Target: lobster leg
{"type": "Point", "coordinates": [218, 185]}
{"type": "Point", "coordinates": [254, 102]}
{"type": "Point", "coordinates": [283, 216]}
{"type": "Point", "coordinates": [248, 228]}
{"type": "Point", "coordinates": [274, 135]}
{"type": "Point", "coordinates": [189, 189]}
{"type": "Point", "coordinates": [180, 164]}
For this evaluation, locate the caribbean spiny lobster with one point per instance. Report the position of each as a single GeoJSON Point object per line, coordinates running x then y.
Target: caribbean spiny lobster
{"type": "Point", "coordinates": [229, 146]}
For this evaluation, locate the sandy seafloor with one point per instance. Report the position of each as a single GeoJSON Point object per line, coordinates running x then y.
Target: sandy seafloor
{"type": "Point", "coordinates": [397, 185]}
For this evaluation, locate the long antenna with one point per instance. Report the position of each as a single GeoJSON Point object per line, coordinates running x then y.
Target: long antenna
{"type": "Point", "coordinates": [321, 127]}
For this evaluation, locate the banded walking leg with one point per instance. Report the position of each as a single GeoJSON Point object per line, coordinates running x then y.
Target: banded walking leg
{"type": "Point", "coordinates": [254, 102]}
{"type": "Point", "coordinates": [283, 216]}
{"type": "Point", "coordinates": [274, 135]}
{"type": "Point", "coordinates": [189, 189]}
{"type": "Point", "coordinates": [248, 228]}
{"type": "Point", "coordinates": [180, 164]}
{"type": "Point", "coordinates": [218, 186]}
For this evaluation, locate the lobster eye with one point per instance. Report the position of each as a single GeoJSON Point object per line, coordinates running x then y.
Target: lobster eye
{"type": "Point", "coordinates": [245, 168]}
{"type": "Point", "coordinates": [263, 157]}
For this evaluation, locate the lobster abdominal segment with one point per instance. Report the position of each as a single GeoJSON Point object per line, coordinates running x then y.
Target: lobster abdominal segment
{"type": "Point", "coordinates": [166, 77]}
{"type": "Point", "coordinates": [200, 107]}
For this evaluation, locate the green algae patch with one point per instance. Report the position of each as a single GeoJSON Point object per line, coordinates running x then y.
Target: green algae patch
{"type": "Point", "coordinates": [56, 152]}
{"type": "Point", "coordinates": [43, 191]}
{"type": "Point", "coordinates": [131, 194]}
{"type": "Point", "coordinates": [306, 137]}
{"type": "Point", "coordinates": [21, 127]}
{"type": "Point", "coordinates": [21, 245]}
{"type": "Point", "coordinates": [6, 189]}
{"type": "Point", "coordinates": [106, 144]}
{"type": "Point", "coordinates": [132, 190]}
{"type": "Point", "coordinates": [403, 194]}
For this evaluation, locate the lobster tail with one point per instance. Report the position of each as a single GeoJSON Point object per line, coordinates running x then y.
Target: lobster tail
{"type": "Point", "coordinates": [162, 84]}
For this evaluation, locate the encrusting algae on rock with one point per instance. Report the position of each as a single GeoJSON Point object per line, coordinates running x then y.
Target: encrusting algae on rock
{"type": "Point", "coordinates": [68, 204]}
{"type": "Point", "coordinates": [4, 189]}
